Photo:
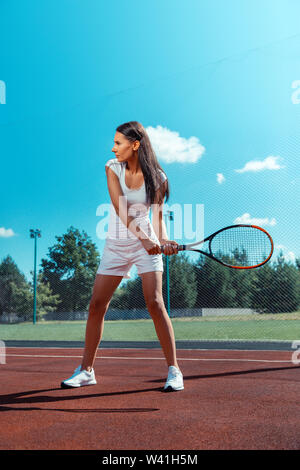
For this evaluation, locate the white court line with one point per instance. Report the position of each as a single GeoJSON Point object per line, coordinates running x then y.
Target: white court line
{"type": "Point", "coordinates": [145, 348]}
{"type": "Point", "coordinates": [152, 358]}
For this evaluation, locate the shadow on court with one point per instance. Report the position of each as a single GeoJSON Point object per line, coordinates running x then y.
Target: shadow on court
{"type": "Point", "coordinates": [87, 410]}
{"type": "Point", "coordinates": [126, 414]}
{"type": "Point", "coordinates": [24, 398]}
{"type": "Point", "coordinates": [230, 374]}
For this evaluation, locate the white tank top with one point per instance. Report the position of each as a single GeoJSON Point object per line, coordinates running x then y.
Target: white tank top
{"type": "Point", "coordinates": [139, 208]}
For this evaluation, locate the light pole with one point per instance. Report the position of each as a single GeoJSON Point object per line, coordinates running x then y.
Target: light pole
{"type": "Point", "coordinates": [34, 234]}
{"type": "Point", "coordinates": [168, 215]}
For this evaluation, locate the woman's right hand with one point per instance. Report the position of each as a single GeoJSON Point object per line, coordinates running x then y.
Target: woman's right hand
{"type": "Point", "coordinates": [151, 247]}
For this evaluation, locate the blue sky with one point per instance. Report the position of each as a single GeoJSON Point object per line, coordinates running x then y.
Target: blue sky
{"type": "Point", "coordinates": [216, 84]}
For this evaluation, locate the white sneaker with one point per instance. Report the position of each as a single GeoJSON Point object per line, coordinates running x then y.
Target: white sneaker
{"type": "Point", "coordinates": [80, 378]}
{"type": "Point", "coordinates": [174, 381]}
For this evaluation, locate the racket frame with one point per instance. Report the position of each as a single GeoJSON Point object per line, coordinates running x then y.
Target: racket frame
{"type": "Point", "coordinates": [209, 239]}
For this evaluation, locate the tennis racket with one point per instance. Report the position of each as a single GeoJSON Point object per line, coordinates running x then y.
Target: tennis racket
{"type": "Point", "coordinates": [236, 246]}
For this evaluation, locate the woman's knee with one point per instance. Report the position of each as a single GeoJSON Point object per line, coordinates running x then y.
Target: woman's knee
{"type": "Point", "coordinates": [155, 304]}
{"type": "Point", "coordinates": [98, 307]}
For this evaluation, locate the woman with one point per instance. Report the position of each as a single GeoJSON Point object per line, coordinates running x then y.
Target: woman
{"type": "Point", "coordinates": [135, 182]}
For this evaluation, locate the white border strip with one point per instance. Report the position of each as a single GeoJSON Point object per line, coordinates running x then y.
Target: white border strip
{"type": "Point", "coordinates": [152, 358]}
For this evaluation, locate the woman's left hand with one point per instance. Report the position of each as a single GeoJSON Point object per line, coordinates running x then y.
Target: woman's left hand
{"type": "Point", "coordinates": [170, 247]}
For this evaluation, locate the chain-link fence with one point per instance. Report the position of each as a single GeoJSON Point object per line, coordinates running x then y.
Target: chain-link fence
{"type": "Point", "coordinates": [206, 301]}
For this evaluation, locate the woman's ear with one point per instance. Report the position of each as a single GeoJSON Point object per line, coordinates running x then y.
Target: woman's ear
{"type": "Point", "coordinates": [136, 145]}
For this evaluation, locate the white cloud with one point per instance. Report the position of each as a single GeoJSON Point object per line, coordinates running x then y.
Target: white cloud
{"type": "Point", "coordinates": [289, 256]}
{"type": "Point", "coordinates": [280, 247]}
{"type": "Point", "coordinates": [248, 220]}
{"type": "Point", "coordinates": [170, 147]}
{"type": "Point", "coordinates": [269, 163]}
{"type": "Point", "coordinates": [220, 178]}
{"type": "Point", "coordinates": [6, 232]}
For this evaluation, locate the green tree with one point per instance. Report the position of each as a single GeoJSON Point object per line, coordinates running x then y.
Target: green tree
{"type": "Point", "coordinates": [9, 275]}
{"type": "Point", "coordinates": [182, 288]}
{"type": "Point", "coordinates": [214, 285]}
{"type": "Point", "coordinates": [240, 281]}
{"type": "Point", "coordinates": [285, 293]}
{"type": "Point", "coordinates": [276, 287]}
{"type": "Point", "coordinates": [16, 293]}
{"type": "Point", "coordinates": [262, 289]}
{"type": "Point", "coordinates": [23, 298]}
{"type": "Point", "coordinates": [183, 285]}
{"type": "Point", "coordinates": [70, 269]}
{"type": "Point", "coordinates": [129, 296]}
{"type": "Point", "coordinates": [46, 301]}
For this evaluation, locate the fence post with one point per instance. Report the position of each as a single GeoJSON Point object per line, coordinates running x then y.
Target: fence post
{"type": "Point", "coordinates": [34, 234]}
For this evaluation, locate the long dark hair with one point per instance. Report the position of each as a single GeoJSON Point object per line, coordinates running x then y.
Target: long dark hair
{"type": "Point", "coordinates": [134, 130]}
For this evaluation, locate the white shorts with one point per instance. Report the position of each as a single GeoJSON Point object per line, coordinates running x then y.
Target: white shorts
{"type": "Point", "coordinates": [119, 256]}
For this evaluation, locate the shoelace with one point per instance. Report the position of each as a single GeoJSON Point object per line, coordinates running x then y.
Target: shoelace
{"type": "Point", "coordinates": [172, 375]}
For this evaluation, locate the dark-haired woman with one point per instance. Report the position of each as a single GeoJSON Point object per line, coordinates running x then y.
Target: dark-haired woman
{"type": "Point", "coordinates": [136, 182]}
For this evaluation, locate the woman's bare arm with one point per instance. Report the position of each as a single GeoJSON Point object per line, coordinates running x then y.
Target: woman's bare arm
{"type": "Point", "coordinates": [159, 226]}
{"type": "Point", "coordinates": [121, 205]}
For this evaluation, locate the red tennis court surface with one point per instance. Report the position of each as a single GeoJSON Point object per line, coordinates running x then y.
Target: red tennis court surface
{"type": "Point", "coordinates": [232, 400]}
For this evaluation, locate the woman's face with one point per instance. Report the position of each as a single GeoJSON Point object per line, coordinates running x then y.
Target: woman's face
{"type": "Point", "coordinates": [123, 148]}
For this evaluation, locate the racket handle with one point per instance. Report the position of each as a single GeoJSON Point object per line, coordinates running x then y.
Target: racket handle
{"type": "Point", "coordinates": [180, 248]}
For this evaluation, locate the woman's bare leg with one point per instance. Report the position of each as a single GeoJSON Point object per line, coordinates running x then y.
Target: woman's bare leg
{"type": "Point", "coordinates": [104, 287]}
{"type": "Point", "coordinates": [152, 289]}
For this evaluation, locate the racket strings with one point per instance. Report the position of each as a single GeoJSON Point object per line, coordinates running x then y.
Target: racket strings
{"type": "Point", "coordinates": [241, 246]}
